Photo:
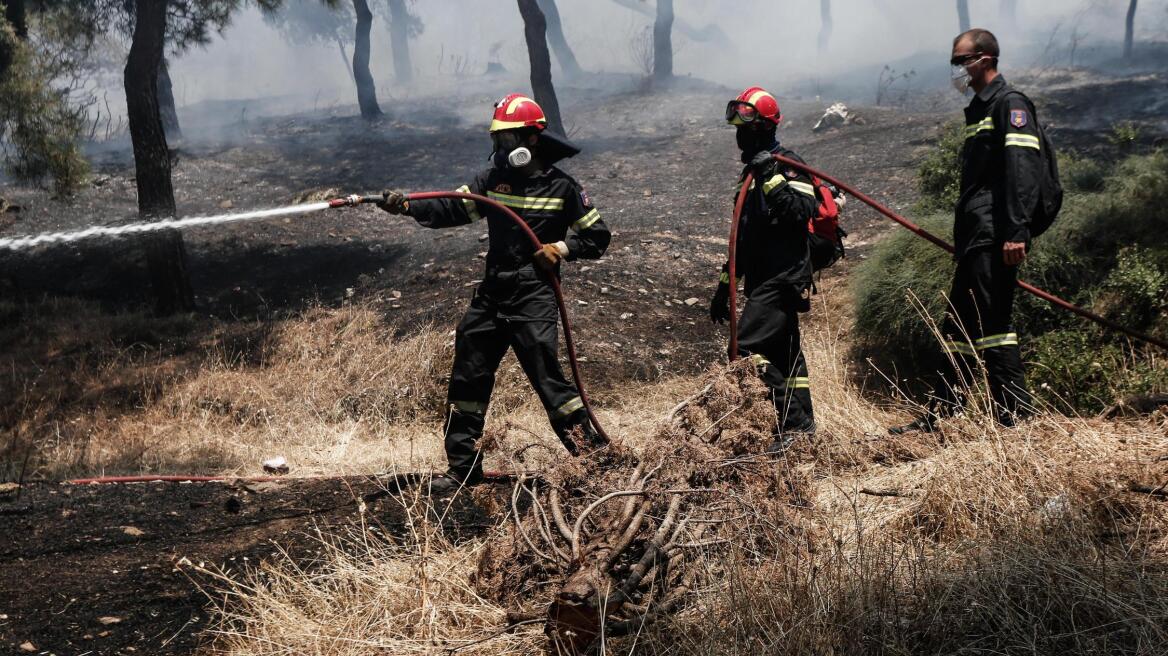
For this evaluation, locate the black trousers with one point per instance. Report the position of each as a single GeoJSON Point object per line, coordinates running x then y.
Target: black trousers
{"type": "Point", "coordinates": [979, 324]}
{"type": "Point", "coordinates": [481, 341]}
{"type": "Point", "coordinates": [768, 334]}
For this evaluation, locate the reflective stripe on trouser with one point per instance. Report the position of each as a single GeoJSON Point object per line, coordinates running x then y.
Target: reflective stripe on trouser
{"type": "Point", "coordinates": [979, 324]}
{"type": "Point", "coordinates": [480, 343]}
{"type": "Point", "coordinates": [768, 333]}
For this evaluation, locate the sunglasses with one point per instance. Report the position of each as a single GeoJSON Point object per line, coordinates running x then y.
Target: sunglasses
{"type": "Point", "coordinates": [740, 113]}
{"type": "Point", "coordinates": [965, 60]}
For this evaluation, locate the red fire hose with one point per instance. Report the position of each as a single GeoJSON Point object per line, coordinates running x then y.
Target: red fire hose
{"type": "Point", "coordinates": [186, 478]}
{"type": "Point", "coordinates": [920, 232]}
{"type": "Point", "coordinates": [555, 283]}
{"type": "Point", "coordinates": [358, 200]}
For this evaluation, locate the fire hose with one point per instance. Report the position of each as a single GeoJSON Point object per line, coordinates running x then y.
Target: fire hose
{"type": "Point", "coordinates": [349, 201]}
{"type": "Point", "coordinates": [912, 227]}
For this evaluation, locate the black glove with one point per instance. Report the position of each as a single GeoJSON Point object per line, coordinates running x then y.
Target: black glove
{"type": "Point", "coordinates": [720, 304]}
{"type": "Point", "coordinates": [761, 160]}
{"type": "Point", "coordinates": [394, 202]}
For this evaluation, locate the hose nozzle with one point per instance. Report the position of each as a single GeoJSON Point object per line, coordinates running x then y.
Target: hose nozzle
{"type": "Point", "coordinates": [352, 200]}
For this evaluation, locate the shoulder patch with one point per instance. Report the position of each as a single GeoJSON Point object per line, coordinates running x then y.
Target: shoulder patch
{"type": "Point", "coordinates": [503, 188]}
{"type": "Point", "coordinates": [584, 199]}
{"type": "Point", "coordinates": [1019, 118]}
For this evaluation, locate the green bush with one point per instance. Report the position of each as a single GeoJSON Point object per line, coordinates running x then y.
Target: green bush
{"type": "Point", "coordinates": [39, 130]}
{"type": "Point", "coordinates": [901, 272]}
{"type": "Point", "coordinates": [1108, 252]}
{"type": "Point", "coordinates": [939, 175]}
{"type": "Point", "coordinates": [1081, 173]}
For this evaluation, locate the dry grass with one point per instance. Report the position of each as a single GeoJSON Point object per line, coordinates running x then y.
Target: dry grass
{"type": "Point", "coordinates": [365, 594]}
{"type": "Point", "coordinates": [976, 540]}
{"type": "Point", "coordinates": [335, 391]}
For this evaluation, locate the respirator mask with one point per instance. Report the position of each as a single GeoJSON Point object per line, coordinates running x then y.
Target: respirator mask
{"type": "Point", "coordinates": [751, 140]}
{"type": "Point", "coordinates": [509, 152]}
{"type": "Point", "coordinates": [961, 77]}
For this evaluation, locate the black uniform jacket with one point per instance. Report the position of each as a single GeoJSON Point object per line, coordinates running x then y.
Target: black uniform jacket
{"type": "Point", "coordinates": [1001, 169]}
{"type": "Point", "coordinates": [551, 203]}
{"type": "Point", "coordinates": [772, 231]}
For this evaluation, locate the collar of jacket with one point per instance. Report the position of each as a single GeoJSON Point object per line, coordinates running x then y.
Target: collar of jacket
{"type": "Point", "coordinates": [992, 89]}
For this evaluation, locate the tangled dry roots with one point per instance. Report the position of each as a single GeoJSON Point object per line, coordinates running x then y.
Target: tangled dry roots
{"type": "Point", "coordinates": [613, 540]}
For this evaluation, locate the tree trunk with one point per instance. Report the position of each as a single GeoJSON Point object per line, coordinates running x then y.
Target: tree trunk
{"type": "Point", "coordinates": [555, 36]}
{"type": "Point", "coordinates": [399, 37]}
{"type": "Point", "coordinates": [345, 59]}
{"type": "Point", "coordinates": [663, 41]}
{"type": "Point", "coordinates": [1129, 30]}
{"type": "Point", "coordinates": [366, 88]}
{"type": "Point", "coordinates": [535, 31]}
{"type": "Point", "coordinates": [14, 15]}
{"type": "Point", "coordinates": [963, 15]}
{"type": "Point", "coordinates": [165, 252]}
{"type": "Point", "coordinates": [166, 103]}
{"type": "Point", "coordinates": [824, 24]}
{"type": "Point", "coordinates": [709, 34]}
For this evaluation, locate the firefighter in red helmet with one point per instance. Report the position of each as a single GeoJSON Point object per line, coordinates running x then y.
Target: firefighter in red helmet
{"type": "Point", "coordinates": [514, 306]}
{"type": "Point", "coordinates": [774, 259]}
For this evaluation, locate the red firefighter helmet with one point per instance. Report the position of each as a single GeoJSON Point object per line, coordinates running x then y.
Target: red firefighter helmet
{"type": "Point", "coordinates": [751, 104]}
{"type": "Point", "coordinates": [517, 111]}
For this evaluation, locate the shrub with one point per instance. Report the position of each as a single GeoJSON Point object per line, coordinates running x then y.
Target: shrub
{"type": "Point", "coordinates": [39, 130]}
{"type": "Point", "coordinates": [1107, 252]}
{"type": "Point", "coordinates": [939, 175]}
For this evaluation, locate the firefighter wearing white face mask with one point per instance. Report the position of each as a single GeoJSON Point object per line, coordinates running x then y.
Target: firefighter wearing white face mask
{"type": "Point", "coordinates": [1006, 187]}
{"type": "Point", "coordinates": [514, 306]}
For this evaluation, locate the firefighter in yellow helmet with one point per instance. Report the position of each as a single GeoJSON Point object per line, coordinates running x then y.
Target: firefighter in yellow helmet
{"type": "Point", "coordinates": [514, 306]}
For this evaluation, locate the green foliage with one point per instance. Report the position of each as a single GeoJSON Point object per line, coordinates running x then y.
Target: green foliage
{"type": "Point", "coordinates": [1124, 135]}
{"type": "Point", "coordinates": [1081, 173]}
{"type": "Point", "coordinates": [39, 129]}
{"type": "Point", "coordinates": [939, 175]}
{"type": "Point", "coordinates": [902, 272]}
{"type": "Point", "coordinates": [1108, 252]}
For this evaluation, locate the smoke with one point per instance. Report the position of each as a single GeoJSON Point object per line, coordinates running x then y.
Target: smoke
{"type": "Point", "coordinates": [766, 42]}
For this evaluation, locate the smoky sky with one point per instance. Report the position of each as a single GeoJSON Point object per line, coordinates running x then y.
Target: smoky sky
{"type": "Point", "coordinates": [772, 42]}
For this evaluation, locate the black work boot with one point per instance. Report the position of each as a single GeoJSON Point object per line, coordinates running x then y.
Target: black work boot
{"type": "Point", "coordinates": [926, 423]}
{"type": "Point", "coordinates": [782, 440]}
{"type": "Point", "coordinates": [589, 439]}
{"type": "Point", "coordinates": [780, 443]}
{"type": "Point", "coordinates": [452, 481]}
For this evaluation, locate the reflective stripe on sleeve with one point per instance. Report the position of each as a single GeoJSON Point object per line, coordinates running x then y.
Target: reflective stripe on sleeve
{"type": "Point", "coordinates": [472, 209]}
{"type": "Point", "coordinates": [799, 382]}
{"type": "Point", "coordinates": [1023, 140]}
{"type": "Point", "coordinates": [724, 278]}
{"type": "Point", "coordinates": [803, 187]}
{"type": "Point", "coordinates": [984, 125]}
{"type": "Point", "coordinates": [759, 361]}
{"type": "Point", "coordinates": [527, 202]}
{"type": "Point", "coordinates": [573, 404]}
{"type": "Point", "coordinates": [775, 180]}
{"type": "Point", "coordinates": [586, 221]}
{"type": "Point", "coordinates": [994, 341]}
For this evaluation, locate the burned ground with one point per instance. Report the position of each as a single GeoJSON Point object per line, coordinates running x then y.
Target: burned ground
{"type": "Point", "coordinates": [660, 166]}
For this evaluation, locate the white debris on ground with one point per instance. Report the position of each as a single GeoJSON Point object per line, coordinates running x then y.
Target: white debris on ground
{"type": "Point", "coordinates": [835, 116]}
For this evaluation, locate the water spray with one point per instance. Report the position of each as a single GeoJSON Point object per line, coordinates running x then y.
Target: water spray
{"type": "Point", "coordinates": [353, 200]}
{"type": "Point", "coordinates": [32, 241]}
